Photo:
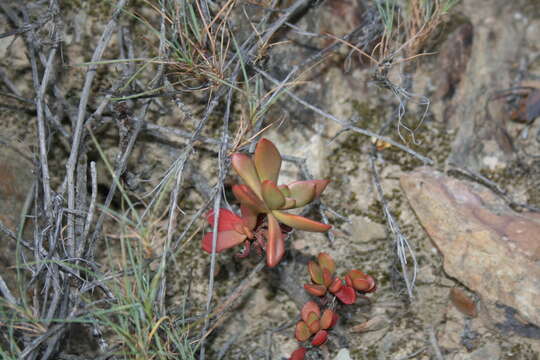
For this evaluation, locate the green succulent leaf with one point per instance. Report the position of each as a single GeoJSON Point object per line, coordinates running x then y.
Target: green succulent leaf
{"type": "Point", "coordinates": [289, 204]}
{"type": "Point", "coordinates": [300, 222]}
{"type": "Point", "coordinates": [267, 160]}
{"type": "Point", "coordinates": [316, 273]}
{"type": "Point", "coordinates": [273, 198]}
{"type": "Point", "coordinates": [245, 167]}
{"type": "Point", "coordinates": [285, 190]}
{"type": "Point", "coordinates": [303, 192]}
{"type": "Point", "coordinates": [309, 307]}
{"type": "Point", "coordinates": [247, 197]}
{"type": "Point", "coordinates": [327, 262]}
{"type": "Point", "coordinates": [275, 247]}
{"type": "Point", "coordinates": [302, 332]}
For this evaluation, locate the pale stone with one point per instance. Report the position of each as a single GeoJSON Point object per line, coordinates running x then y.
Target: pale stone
{"type": "Point", "coordinates": [491, 249]}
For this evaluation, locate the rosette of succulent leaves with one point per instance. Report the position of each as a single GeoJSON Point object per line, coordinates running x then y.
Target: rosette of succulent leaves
{"type": "Point", "coordinates": [263, 222]}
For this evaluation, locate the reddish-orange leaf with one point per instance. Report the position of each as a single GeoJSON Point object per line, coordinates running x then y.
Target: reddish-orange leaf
{"type": "Point", "coordinates": [314, 289]}
{"type": "Point", "coordinates": [309, 307]}
{"type": "Point", "coordinates": [346, 295]}
{"type": "Point", "coordinates": [247, 197]}
{"type": "Point", "coordinates": [302, 332]}
{"type": "Point", "coordinates": [348, 280]}
{"type": "Point", "coordinates": [300, 222]}
{"type": "Point", "coordinates": [299, 354]}
{"type": "Point", "coordinates": [336, 285]}
{"type": "Point", "coordinates": [225, 240]}
{"type": "Point", "coordinates": [275, 247]}
{"type": "Point", "coordinates": [328, 319]}
{"type": "Point", "coordinates": [319, 338]}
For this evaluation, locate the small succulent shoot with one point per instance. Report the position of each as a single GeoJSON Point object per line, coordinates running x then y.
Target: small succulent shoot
{"type": "Point", "coordinates": [361, 282]}
{"type": "Point", "coordinates": [261, 193]}
{"type": "Point", "coordinates": [313, 324]}
{"type": "Point", "coordinates": [322, 276]}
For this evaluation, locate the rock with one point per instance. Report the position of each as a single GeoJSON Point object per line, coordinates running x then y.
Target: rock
{"type": "Point", "coordinates": [488, 247]}
{"type": "Point", "coordinates": [489, 351]}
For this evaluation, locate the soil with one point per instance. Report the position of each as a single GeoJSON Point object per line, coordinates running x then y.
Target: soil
{"type": "Point", "coordinates": [481, 52]}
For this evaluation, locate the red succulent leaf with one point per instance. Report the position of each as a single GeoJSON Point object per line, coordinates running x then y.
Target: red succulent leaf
{"type": "Point", "coordinates": [300, 222]}
{"type": "Point", "coordinates": [336, 285]}
{"type": "Point", "coordinates": [267, 160]}
{"type": "Point", "coordinates": [348, 280]}
{"type": "Point", "coordinates": [299, 354]}
{"type": "Point", "coordinates": [326, 262]}
{"type": "Point", "coordinates": [327, 278]}
{"type": "Point", "coordinates": [320, 338]}
{"type": "Point", "coordinates": [225, 240]}
{"type": "Point", "coordinates": [328, 319]}
{"type": "Point", "coordinates": [302, 332]}
{"type": "Point", "coordinates": [227, 220]}
{"type": "Point", "coordinates": [309, 307]}
{"type": "Point", "coordinates": [317, 290]}
{"type": "Point", "coordinates": [249, 215]}
{"type": "Point", "coordinates": [346, 295]}
{"type": "Point", "coordinates": [245, 167]}
{"type": "Point", "coordinates": [275, 246]}
{"type": "Point", "coordinates": [315, 272]}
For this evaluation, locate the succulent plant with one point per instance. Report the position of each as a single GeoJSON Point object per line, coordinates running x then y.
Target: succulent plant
{"type": "Point", "coordinates": [262, 195]}
{"type": "Point", "coordinates": [323, 281]}
{"type": "Point", "coordinates": [262, 203]}
{"type": "Point", "coordinates": [314, 324]}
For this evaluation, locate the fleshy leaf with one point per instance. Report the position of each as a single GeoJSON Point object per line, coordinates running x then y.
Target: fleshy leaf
{"type": "Point", "coordinates": [309, 307]}
{"type": "Point", "coordinates": [315, 272]}
{"type": "Point", "coordinates": [335, 286]}
{"type": "Point", "coordinates": [319, 338]}
{"type": "Point", "coordinates": [327, 278]}
{"type": "Point", "coordinates": [317, 290]}
{"type": "Point", "coordinates": [348, 280]}
{"type": "Point", "coordinates": [289, 203]}
{"type": "Point", "coordinates": [227, 220]}
{"type": "Point", "coordinates": [328, 319]}
{"type": "Point", "coordinates": [303, 192]}
{"type": "Point", "coordinates": [267, 160]}
{"type": "Point", "coordinates": [299, 354]}
{"type": "Point", "coordinates": [275, 247]}
{"type": "Point", "coordinates": [285, 190]}
{"type": "Point", "coordinates": [300, 222]}
{"type": "Point", "coordinates": [249, 215]}
{"type": "Point", "coordinates": [247, 197]}
{"type": "Point", "coordinates": [346, 295]}
{"type": "Point", "coordinates": [273, 198]}
{"type": "Point", "coordinates": [320, 185]}
{"type": "Point", "coordinates": [314, 326]}
{"type": "Point", "coordinates": [361, 281]}
{"type": "Point", "coordinates": [245, 167]}
{"type": "Point", "coordinates": [326, 262]}
{"type": "Point", "coordinates": [302, 332]}
{"type": "Point", "coordinates": [225, 240]}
